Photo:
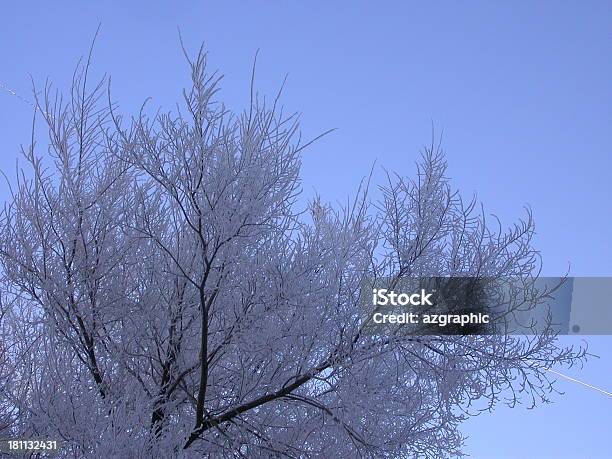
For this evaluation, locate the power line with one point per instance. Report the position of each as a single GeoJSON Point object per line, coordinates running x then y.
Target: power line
{"type": "Point", "coordinates": [609, 394]}
{"type": "Point", "coordinates": [13, 93]}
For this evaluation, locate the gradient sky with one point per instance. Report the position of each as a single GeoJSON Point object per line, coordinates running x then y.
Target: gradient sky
{"type": "Point", "coordinates": [521, 90]}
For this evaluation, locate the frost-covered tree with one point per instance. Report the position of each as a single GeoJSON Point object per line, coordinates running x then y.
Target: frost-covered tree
{"type": "Point", "coordinates": [164, 294]}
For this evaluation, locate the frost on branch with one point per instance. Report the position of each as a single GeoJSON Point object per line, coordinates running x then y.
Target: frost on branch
{"type": "Point", "coordinates": [165, 294]}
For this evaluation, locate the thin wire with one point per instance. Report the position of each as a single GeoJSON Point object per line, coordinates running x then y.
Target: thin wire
{"type": "Point", "coordinates": [609, 394]}
{"type": "Point", "coordinates": [13, 93]}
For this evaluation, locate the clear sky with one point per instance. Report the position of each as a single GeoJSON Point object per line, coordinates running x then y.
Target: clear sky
{"type": "Point", "coordinates": [521, 90]}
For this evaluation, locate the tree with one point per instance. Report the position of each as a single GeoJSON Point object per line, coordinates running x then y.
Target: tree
{"type": "Point", "coordinates": [166, 294]}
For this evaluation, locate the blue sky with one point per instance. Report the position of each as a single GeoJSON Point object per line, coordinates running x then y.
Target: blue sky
{"type": "Point", "coordinates": [521, 90]}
